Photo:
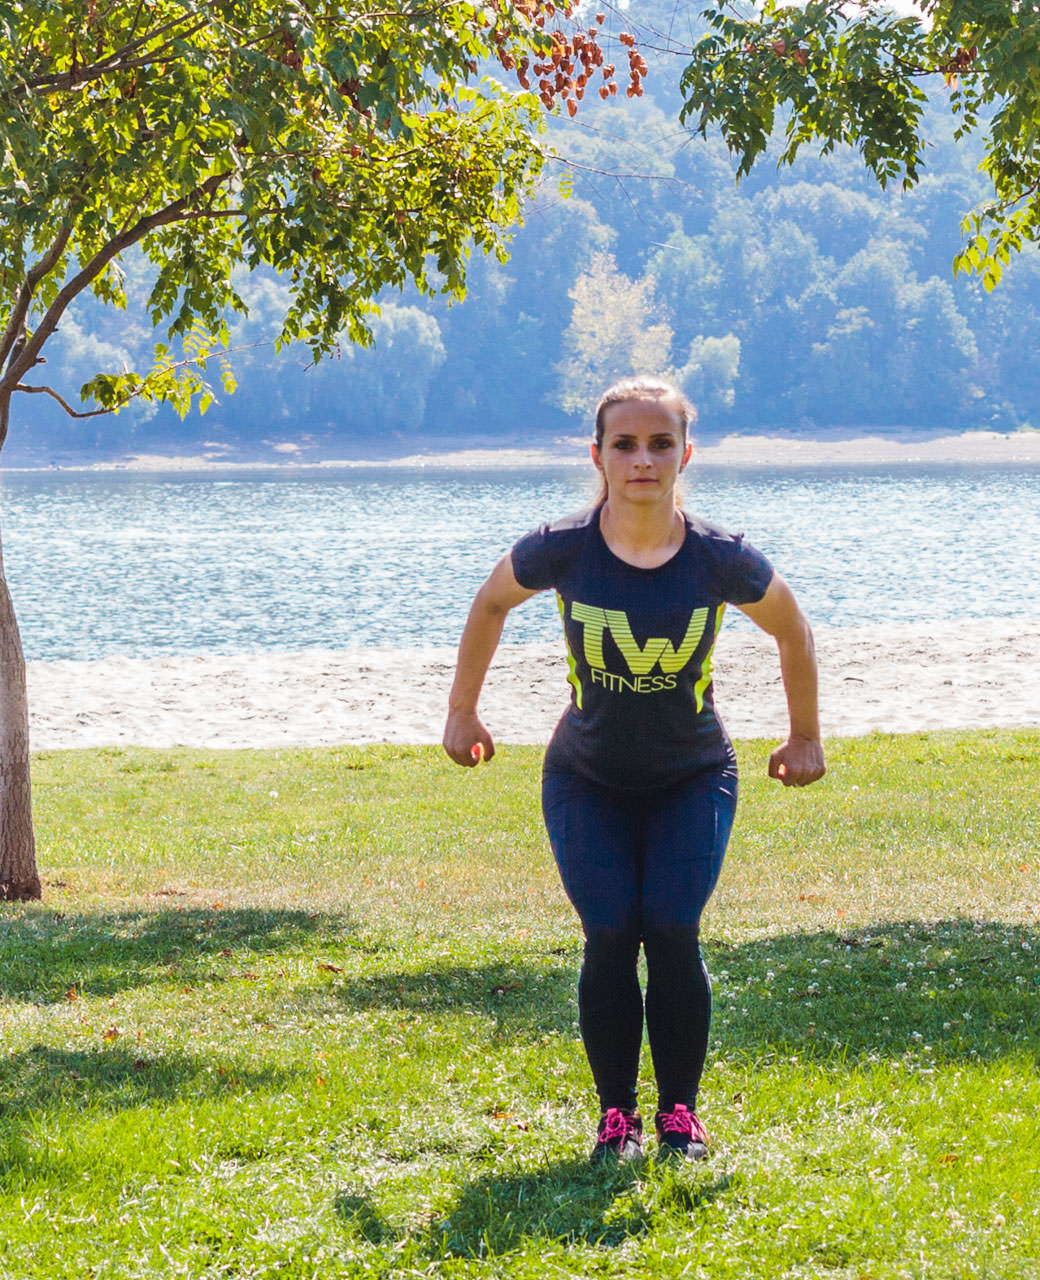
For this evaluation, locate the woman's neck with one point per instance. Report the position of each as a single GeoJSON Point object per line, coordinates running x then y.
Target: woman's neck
{"type": "Point", "coordinates": [644, 535]}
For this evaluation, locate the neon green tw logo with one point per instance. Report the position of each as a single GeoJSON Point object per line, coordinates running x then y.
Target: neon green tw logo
{"type": "Point", "coordinates": [657, 651]}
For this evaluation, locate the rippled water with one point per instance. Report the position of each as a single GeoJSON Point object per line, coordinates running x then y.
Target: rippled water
{"type": "Point", "coordinates": [103, 564]}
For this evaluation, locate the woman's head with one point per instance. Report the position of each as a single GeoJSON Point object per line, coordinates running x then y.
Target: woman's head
{"type": "Point", "coordinates": [640, 406]}
{"type": "Point", "coordinates": [643, 388]}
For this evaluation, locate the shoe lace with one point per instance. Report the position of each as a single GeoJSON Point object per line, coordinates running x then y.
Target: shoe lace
{"type": "Point", "coordinates": [615, 1124]}
{"type": "Point", "coordinates": [682, 1120]}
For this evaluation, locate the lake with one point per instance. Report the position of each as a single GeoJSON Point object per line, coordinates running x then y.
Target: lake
{"type": "Point", "coordinates": [147, 565]}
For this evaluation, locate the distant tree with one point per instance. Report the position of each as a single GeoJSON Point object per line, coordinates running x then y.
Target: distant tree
{"type": "Point", "coordinates": [348, 145]}
{"type": "Point", "coordinates": [507, 336]}
{"type": "Point", "coordinates": [895, 351]}
{"type": "Point", "coordinates": [834, 217]}
{"type": "Point", "coordinates": [624, 168]}
{"type": "Point", "coordinates": [615, 329]}
{"type": "Point", "coordinates": [932, 363]}
{"type": "Point", "coordinates": [387, 383]}
{"type": "Point", "coordinates": [832, 73]}
{"type": "Point", "coordinates": [742, 285]}
{"type": "Point", "coordinates": [1006, 327]}
{"type": "Point", "coordinates": [710, 374]}
{"type": "Point", "coordinates": [688, 281]}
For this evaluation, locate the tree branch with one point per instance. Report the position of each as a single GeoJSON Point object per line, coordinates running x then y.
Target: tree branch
{"type": "Point", "coordinates": [26, 357]}
{"type": "Point", "coordinates": [49, 391]}
{"type": "Point", "coordinates": [46, 264]}
{"type": "Point", "coordinates": [138, 391]}
{"type": "Point", "coordinates": [118, 60]}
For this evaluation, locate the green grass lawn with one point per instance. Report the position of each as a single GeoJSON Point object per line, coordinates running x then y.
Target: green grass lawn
{"type": "Point", "coordinates": [311, 1014]}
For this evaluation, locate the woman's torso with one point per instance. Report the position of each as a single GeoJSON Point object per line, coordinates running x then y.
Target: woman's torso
{"type": "Point", "coordinates": [640, 644]}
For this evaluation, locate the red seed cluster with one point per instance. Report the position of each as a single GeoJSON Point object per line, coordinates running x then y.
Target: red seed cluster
{"type": "Point", "coordinates": [961, 60]}
{"type": "Point", "coordinates": [286, 51]}
{"type": "Point", "coordinates": [637, 67]}
{"type": "Point", "coordinates": [781, 49]}
{"type": "Point", "coordinates": [575, 58]}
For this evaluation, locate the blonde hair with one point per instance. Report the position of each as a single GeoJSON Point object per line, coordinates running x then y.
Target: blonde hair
{"type": "Point", "coordinates": [641, 387]}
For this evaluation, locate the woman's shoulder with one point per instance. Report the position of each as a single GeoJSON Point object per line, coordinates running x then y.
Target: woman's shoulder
{"type": "Point", "coordinates": [578, 521]}
{"type": "Point", "coordinates": [741, 571]}
{"type": "Point", "coordinates": [708, 529]}
{"type": "Point", "coordinates": [543, 555]}
{"type": "Point", "coordinates": [566, 529]}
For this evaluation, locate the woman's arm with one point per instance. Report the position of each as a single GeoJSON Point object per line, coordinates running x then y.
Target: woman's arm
{"type": "Point", "coordinates": [464, 732]}
{"type": "Point", "coordinates": [799, 760]}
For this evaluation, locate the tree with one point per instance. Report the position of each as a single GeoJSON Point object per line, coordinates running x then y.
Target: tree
{"type": "Point", "coordinates": [710, 374]}
{"type": "Point", "coordinates": [835, 72]}
{"type": "Point", "coordinates": [508, 334]}
{"type": "Point", "coordinates": [390, 382]}
{"type": "Point", "coordinates": [615, 329]}
{"type": "Point", "coordinates": [350, 145]}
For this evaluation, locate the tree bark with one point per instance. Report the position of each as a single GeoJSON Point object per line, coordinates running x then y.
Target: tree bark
{"type": "Point", "coordinates": [19, 880]}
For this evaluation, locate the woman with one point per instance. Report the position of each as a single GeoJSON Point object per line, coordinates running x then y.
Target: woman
{"type": "Point", "coordinates": [640, 783]}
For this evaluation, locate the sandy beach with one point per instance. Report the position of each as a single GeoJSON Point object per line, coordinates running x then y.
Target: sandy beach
{"type": "Point", "coordinates": [994, 448]}
{"type": "Point", "coordinates": [900, 679]}
{"type": "Point", "coordinates": [887, 447]}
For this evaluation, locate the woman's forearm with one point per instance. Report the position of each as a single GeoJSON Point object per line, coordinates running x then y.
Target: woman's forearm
{"type": "Point", "coordinates": [480, 638]}
{"type": "Point", "coordinates": [466, 740]}
{"type": "Point", "coordinates": [798, 669]}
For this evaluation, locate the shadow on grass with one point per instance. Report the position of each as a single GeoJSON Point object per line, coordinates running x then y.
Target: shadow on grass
{"type": "Point", "coordinates": [357, 1214]}
{"type": "Point", "coordinates": [518, 996]}
{"type": "Point", "coordinates": [45, 956]}
{"type": "Point", "coordinates": [568, 1202]}
{"type": "Point", "coordinates": [970, 989]}
{"type": "Point", "coordinates": [112, 1078]}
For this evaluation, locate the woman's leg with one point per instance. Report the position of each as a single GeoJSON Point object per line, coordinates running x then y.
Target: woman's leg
{"type": "Point", "coordinates": [685, 831]}
{"type": "Point", "coordinates": [595, 836]}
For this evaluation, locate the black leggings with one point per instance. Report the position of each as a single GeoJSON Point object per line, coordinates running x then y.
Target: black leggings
{"type": "Point", "coordinates": [639, 868]}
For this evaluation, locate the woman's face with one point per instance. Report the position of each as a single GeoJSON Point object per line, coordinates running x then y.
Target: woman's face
{"type": "Point", "coordinates": [643, 450]}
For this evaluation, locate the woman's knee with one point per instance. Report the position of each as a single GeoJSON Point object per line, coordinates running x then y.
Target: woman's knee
{"type": "Point", "coordinates": [673, 945]}
{"type": "Point", "coordinates": [611, 947]}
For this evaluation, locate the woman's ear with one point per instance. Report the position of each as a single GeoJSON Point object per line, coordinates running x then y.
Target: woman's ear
{"type": "Point", "coordinates": [687, 455]}
{"type": "Point", "coordinates": [594, 455]}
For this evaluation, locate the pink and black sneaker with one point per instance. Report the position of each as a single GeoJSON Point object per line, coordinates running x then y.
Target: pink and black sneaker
{"type": "Point", "coordinates": [681, 1134]}
{"type": "Point", "coordinates": [619, 1136]}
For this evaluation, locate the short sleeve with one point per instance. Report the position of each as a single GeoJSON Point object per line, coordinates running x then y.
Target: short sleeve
{"type": "Point", "coordinates": [745, 573]}
{"type": "Point", "coordinates": [533, 560]}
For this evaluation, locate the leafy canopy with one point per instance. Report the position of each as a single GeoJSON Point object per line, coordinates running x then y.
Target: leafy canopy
{"type": "Point", "coordinates": [349, 144]}
{"type": "Point", "coordinates": [855, 72]}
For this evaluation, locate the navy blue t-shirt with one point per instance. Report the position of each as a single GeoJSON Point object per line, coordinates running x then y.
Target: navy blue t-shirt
{"type": "Point", "coordinates": [639, 648]}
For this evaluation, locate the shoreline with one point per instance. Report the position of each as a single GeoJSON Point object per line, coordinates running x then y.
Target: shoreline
{"type": "Point", "coordinates": [889, 678]}
{"type": "Point", "coordinates": [825, 449]}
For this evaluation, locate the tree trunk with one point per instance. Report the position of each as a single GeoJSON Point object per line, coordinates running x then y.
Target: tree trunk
{"type": "Point", "coordinates": [19, 880]}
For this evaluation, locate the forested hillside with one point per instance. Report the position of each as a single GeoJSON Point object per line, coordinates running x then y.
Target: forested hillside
{"type": "Point", "coordinates": [803, 299]}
